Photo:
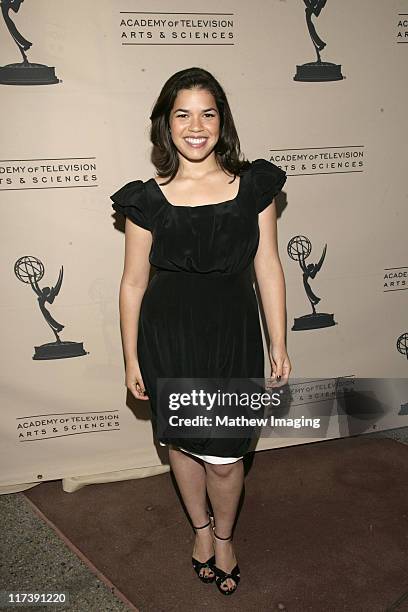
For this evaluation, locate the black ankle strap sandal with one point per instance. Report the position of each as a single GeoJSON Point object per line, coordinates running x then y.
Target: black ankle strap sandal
{"type": "Point", "coordinates": [221, 576]}
{"type": "Point", "coordinates": [209, 564]}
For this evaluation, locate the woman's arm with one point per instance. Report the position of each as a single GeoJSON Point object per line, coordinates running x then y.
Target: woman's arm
{"type": "Point", "coordinates": [133, 285]}
{"type": "Point", "coordinates": [271, 282]}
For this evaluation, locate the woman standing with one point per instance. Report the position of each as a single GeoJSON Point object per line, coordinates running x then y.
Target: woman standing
{"type": "Point", "coordinates": [202, 223]}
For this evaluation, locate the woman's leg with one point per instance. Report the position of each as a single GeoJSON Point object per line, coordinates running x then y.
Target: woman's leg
{"type": "Point", "coordinates": [191, 480]}
{"type": "Point", "coordinates": [224, 486]}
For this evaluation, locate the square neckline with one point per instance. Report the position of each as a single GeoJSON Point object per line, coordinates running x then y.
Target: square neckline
{"type": "Point", "coordinates": [160, 191]}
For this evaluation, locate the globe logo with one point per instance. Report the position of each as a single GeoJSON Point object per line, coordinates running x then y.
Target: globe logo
{"type": "Point", "coordinates": [402, 344]}
{"type": "Point", "coordinates": [27, 268]}
{"type": "Point", "coordinates": [299, 246]}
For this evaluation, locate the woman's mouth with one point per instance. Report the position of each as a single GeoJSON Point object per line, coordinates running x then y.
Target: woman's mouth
{"type": "Point", "coordinates": [196, 143]}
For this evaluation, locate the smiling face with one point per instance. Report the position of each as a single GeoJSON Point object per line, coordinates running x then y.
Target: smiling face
{"type": "Point", "coordinates": [194, 123]}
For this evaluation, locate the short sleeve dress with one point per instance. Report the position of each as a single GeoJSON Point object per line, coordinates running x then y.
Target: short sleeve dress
{"type": "Point", "coordinates": [199, 314]}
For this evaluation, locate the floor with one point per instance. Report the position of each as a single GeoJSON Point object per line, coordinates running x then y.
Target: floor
{"type": "Point", "coordinates": [44, 559]}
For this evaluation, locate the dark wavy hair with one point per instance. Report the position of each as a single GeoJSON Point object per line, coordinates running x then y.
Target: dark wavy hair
{"type": "Point", "coordinates": [164, 153]}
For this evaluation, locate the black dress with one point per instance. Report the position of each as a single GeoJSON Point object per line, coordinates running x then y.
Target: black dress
{"type": "Point", "coordinates": [199, 314]}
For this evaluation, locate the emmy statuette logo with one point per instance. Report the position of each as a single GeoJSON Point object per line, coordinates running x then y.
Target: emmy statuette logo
{"type": "Point", "coordinates": [30, 270]}
{"type": "Point", "coordinates": [24, 73]}
{"type": "Point", "coordinates": [402, 347]}
{"type": "Point", "coordinates": [318, 70]}
{"type": "Point", "coordinates": [299, 248]}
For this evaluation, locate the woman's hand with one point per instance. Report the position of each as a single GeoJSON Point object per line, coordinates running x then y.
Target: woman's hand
{"type": "Point", "coordinates": [280, 365]}
{"type": "Point", "coordinates": [134, 381]}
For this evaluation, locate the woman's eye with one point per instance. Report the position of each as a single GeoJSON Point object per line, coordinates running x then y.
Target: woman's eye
{"type": "Point", "coordinates": [183, 115]}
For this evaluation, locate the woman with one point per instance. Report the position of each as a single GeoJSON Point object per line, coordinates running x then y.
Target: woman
{"type": "Point", "coordinates": [202, 222]}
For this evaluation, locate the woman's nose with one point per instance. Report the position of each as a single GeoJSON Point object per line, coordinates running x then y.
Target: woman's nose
{"type": "Point", "coordinates": [195, 124]}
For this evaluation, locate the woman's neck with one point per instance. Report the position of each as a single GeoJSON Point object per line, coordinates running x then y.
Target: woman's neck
{"type": "Point", "coordinates": [197, 170]}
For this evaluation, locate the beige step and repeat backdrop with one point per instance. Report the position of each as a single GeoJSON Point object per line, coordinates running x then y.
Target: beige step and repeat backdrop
{"type": "Point", "coordinates": [74, 128]}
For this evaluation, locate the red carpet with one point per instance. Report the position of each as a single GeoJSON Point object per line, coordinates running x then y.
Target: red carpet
{"type": "Point", "coordinates": [324, 527]}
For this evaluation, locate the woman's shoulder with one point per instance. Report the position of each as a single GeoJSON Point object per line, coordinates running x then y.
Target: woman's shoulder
{"type": "Point", "coordinates": [267, 181]}
{"type": "Point", "coordinates": [136, 190]}
{"type": "Point", "coordinates": [263, 166]}
{"type": "Point", "coordinates": [264, 170]}
{"type": "Point", "coordinates": [131, 200]}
